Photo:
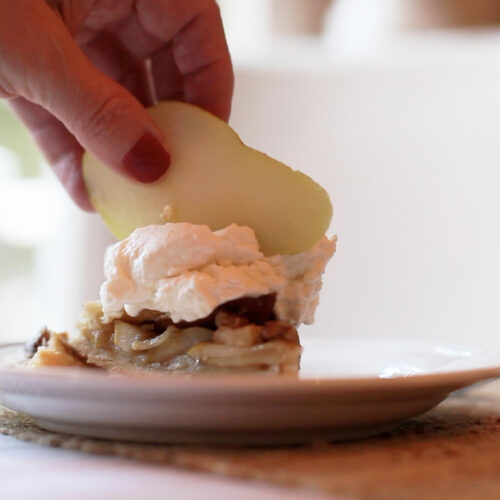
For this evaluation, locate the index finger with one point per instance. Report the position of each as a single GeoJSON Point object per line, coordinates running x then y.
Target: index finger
{"type": "Point", "coordinates": [198, 44]}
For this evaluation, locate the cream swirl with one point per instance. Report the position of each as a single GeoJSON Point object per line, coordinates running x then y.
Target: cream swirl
{"type": "Point", "coordinates": [186, 271]}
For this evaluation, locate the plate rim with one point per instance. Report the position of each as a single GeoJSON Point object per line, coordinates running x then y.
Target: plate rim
{"type": "Point", "coordinates": [147, 385]}
{"type": "Point", "coordinates": [55, 379]}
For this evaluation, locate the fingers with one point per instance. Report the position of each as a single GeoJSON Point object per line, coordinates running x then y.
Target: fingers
{"type": "Point", "coordinates": [202, 57]}
{"type": "Point", "coordinates": [110, 56]}
{"type": "Point", "coordinates": [47, 68]}
{"type": "Point", "coordinates": [198, 47]}
{"type": "Point", "coordinates": [86, 18]}
{"type": "Point", "coordinates": [168, 82]}
{"type": "Point", "coordinates": [59, 146]}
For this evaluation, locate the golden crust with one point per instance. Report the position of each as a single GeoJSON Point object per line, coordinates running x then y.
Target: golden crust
{"type": "Point", "coordinates": [55, 353]}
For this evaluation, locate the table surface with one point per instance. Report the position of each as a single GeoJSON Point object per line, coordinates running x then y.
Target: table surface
{"type": "Point", "coordinates": [29, 471]}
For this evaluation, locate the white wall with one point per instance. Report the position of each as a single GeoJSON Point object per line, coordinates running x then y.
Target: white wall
{"type": "Point", "coordinates": [409, 149]}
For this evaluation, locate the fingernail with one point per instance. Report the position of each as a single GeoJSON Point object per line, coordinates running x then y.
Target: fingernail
{"type": "Point", "coordinates": [148, 160]}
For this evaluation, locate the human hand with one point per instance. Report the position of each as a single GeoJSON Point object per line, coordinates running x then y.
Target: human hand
{"type": "Point", "coordinates": [79, 73]}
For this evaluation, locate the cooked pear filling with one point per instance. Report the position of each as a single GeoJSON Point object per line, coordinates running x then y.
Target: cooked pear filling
{"type": "Point", "coordinates": [239, 336]}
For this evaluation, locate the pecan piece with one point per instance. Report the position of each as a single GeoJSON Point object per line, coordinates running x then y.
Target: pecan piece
{"type": "Point", "coordinates": [229, 320]}
{"type": "Point", "coordinates": [280, 330]}
{"type": "Point", "coordinates": [257, 310]}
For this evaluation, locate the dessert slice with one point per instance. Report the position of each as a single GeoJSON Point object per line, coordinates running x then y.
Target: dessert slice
{"type": "Point", "coordinates": [179, 297]}
{"type": "Point", "coordinates": [221, 259]}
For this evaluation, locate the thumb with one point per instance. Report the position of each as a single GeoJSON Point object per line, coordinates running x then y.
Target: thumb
{"type": "Point", "coordinates": [109, 122]}
{"type": "Point", "coordinates": [49, 69]}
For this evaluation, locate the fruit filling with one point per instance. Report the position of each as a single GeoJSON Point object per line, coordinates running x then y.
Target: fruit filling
{"type": "Point", "coordinates": [240, 335]}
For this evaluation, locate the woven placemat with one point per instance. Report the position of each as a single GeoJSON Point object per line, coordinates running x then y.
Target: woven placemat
{"type": "Point", "coordinates": [451, 452]}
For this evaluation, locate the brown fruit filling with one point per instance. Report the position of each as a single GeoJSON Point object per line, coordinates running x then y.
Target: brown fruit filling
{"type": "Point", "coordinates": [240, 335]}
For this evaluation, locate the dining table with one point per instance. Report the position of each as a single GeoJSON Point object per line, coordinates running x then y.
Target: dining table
{"type": "Point", "coordinates": [452, 451]}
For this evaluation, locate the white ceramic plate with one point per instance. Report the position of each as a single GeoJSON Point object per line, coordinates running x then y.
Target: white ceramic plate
{"type": "Point", "coordinates": [348, 388]}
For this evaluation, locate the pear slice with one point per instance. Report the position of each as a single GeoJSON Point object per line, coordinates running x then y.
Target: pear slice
{"type": "Point", "coordinates": [214, 179]}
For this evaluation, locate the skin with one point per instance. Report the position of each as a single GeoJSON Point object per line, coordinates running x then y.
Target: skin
{"type": "Point", "coordinates": [79, 73]}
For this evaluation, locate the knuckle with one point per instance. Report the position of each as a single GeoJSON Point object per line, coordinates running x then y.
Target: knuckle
{"type": "Point", "coordinates": [101, 121]}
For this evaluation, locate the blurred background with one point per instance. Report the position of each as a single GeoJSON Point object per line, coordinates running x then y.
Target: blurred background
{"type": "Point", "coordinates": [392, 105]}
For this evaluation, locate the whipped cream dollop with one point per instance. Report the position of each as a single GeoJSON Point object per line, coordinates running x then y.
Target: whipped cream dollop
{"type": "Point", "coordinates": [186, 271]}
